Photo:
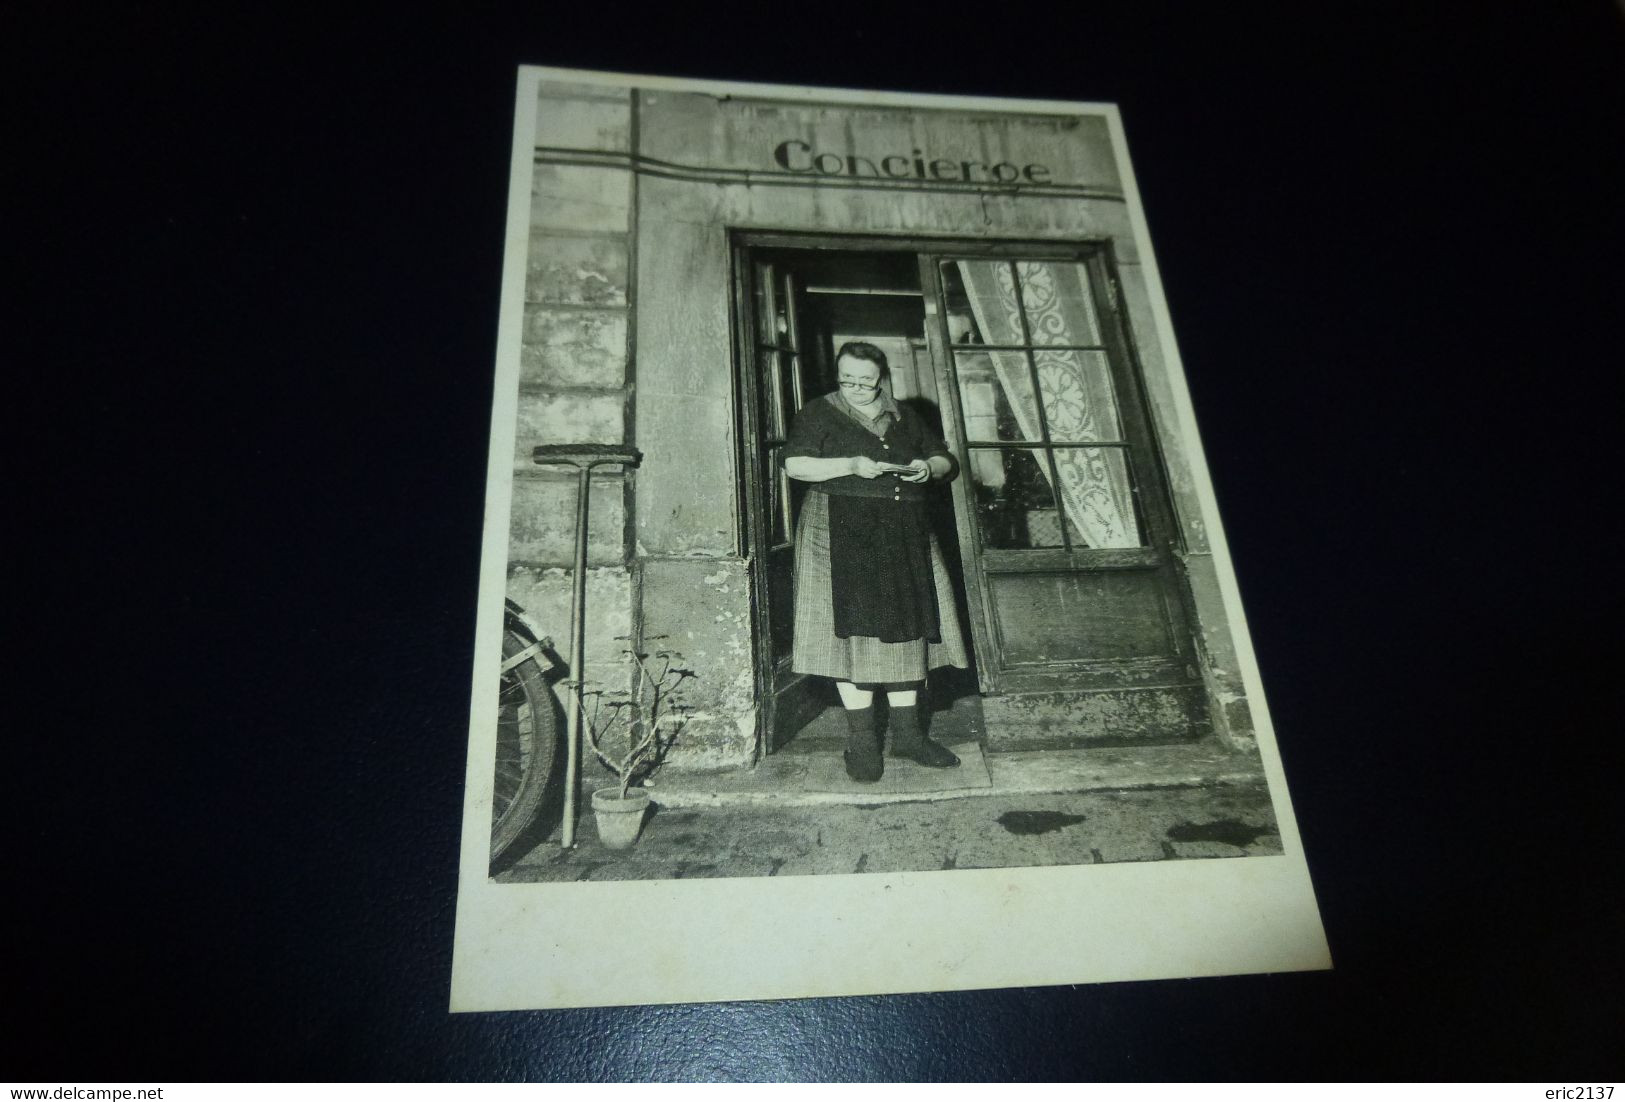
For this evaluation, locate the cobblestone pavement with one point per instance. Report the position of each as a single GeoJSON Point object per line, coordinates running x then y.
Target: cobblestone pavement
{"type": "Point", "coordinates": [992, 831]}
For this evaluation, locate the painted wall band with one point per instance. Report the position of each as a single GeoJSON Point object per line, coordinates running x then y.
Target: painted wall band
{"type": "Point", "coordinates": [649, 166]}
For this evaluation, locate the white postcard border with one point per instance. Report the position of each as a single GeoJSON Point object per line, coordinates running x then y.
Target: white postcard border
{"type": "Point", "coordinates": [541, 945]}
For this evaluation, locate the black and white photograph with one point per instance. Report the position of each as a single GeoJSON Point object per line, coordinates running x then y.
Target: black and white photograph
{"type": "Point", "coordinates": [856, 522]}
{"type": "Point", "coordinates": [581, 544]}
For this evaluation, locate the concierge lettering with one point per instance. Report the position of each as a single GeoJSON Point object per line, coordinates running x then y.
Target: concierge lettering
{"type": "Point", "coordinates": [798, 156]}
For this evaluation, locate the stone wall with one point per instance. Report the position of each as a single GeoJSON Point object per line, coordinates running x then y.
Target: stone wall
{"type": "Point", "coordinates": [575, 380]}
{"type": "Point", "coordinates": [665, 571]}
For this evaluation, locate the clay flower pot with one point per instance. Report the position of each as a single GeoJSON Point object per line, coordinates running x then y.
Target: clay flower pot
{"type": "Point", "coordinates": [619, 820]}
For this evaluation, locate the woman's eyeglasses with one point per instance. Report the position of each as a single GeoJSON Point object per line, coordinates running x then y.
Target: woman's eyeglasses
{"type": "Point", "coordinates": [847, 384]}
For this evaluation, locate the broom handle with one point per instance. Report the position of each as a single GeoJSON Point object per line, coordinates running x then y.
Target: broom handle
{"type": "Point", "coordinates": [578, 646]}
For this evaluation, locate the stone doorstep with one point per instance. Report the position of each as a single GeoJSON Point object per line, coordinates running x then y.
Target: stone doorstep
{"type": "Point", "coordinates": [1203, 764]}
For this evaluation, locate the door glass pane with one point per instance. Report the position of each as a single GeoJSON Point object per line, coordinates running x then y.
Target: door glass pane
{"type": "Point", "coordinates": [788, 405]}
{"type": "Point", "coordinates": [996, 394]}
{"type": "Point", "coordinates": [803, 386]}
{"type": "Point", "coordinates": [1079, 402]}
{"type": "Point", "coordinates": [787, 319]}
{"type": "Point", "coordinates": [775, 424]}
{"type": "Point", "coordinates": [1057, 302]}
{"type": "Point", "coordinates": [981, 302]}
{"type": "Point", "coordinates": [766, 312]}
{"type": "Point", "coordinates": [778, 496]}
{"type": "Point", "coordinates": [1015, 506]}
{"type": "Point", "coordinates": [1097, 491]}
{"type": "Point", "coordinates": [779, 323]}
{"type": "Point", "coordinates": [1038, 303]}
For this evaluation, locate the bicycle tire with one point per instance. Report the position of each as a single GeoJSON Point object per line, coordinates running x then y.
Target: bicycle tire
{"type": "Point", "coordinates": [527, 744]}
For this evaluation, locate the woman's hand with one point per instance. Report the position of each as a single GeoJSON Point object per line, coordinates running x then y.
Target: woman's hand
{"type": "Point", "coordinates": [864, 467]}
{"type": "Point", "coordinates": [921, 471]}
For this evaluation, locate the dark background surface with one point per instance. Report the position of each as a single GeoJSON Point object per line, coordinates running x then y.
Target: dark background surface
{"type": "Point", "coordinates": [259, 269]}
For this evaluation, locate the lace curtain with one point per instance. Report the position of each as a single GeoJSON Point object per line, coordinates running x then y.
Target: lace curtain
{"type": "Point", "coordinates": [1078, 400]}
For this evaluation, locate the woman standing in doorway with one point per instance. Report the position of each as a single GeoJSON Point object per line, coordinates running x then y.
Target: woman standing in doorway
{"type": "Point", "coordinates": [874, 606]}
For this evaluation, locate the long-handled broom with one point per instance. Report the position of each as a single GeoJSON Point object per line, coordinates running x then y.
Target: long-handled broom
{"type": "Point", "coordinates": [583, 457]}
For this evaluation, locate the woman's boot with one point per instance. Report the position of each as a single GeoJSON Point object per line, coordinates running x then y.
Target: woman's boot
{"type": "Point", "coordinates": [863, 760]}
{"type": "Point", "coordinates": [905, 739]}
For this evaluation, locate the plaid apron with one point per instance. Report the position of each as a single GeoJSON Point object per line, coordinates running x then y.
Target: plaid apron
{"type": "Point", "coordinates": [818, 650]}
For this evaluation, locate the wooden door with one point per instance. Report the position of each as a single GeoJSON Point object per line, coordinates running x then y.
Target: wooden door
{"type": "Point", "coordinates": [1064, 515]}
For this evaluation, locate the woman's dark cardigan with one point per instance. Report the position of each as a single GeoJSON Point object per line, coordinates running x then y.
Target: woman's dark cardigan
{"type": "Point", "coordinates": [881, 582]}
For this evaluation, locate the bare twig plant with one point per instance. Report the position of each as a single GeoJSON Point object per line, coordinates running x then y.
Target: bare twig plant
{"type": "Point", "coordinates": [631, 731]}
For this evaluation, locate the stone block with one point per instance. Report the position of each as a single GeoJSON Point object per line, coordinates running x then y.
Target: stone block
{"type": "Point", "coordinates": [684, 126]}
{"type": "Point", "coordinates": [571, 89]}
{"type": "Point", "coordinates": [573, 347]}
{"type": "Point", "coordinates": [576, 271]}
{"type": "Point", "coordinates": [713, 744]}
{"type": "Point", "coordinates": [1024, 721]}
{"type": "Point", "coordinates": [969, 214]}
{"type": "Point", "coordinates": [541, 529]}
{"type": "Point", "coordinates": [575, 122]}
{"type": "Point", "coordinates": [545, 593]}
{"type": "Point", "coordinates": [701, 609]}
{"type": "Point", "coordinates": [686, 503]}
{"type": "Point", "coordinates": [572, 197]}
{"type": "Point", "coordinates": [1216, 647]}
{"type": "Point", "coordinates": [684, 344]}
{"type": "Point", "coordinates": [572, 418]}
{"type": "Point", "coordinates": [1237, 717]}
{"type": "Point", "coordinates": [1223, 669]}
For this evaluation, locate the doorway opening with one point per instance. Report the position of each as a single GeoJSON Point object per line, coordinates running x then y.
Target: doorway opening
{"type": "Point", "coordinates": [1059, 531]}
{"type": "Point", "coordinates": [805, 303]}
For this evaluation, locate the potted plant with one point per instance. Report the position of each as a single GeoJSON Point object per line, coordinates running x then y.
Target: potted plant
{"type": "Point", "coordinates": [631, 732]}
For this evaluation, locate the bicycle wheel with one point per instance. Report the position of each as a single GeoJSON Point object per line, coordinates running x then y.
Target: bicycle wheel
{"type": "Point", "coordinates": [527, 743]}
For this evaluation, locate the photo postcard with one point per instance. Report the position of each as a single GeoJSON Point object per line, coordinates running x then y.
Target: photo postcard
{"type": "Point", "coordinates": [854, 612]}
